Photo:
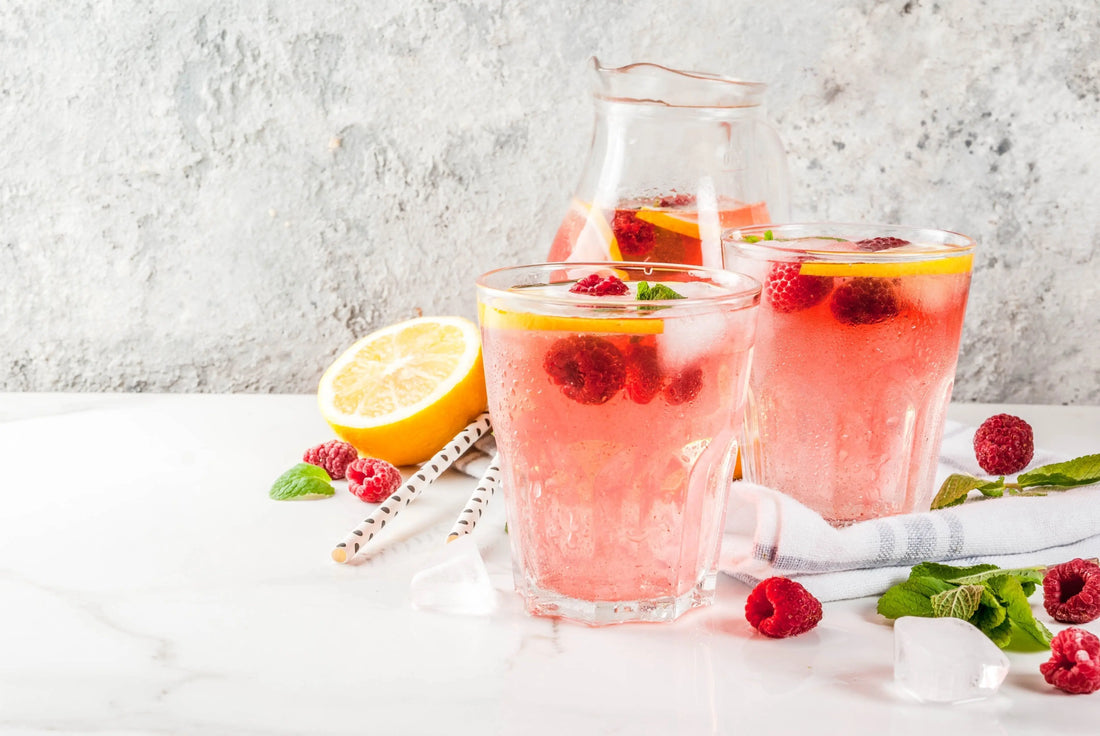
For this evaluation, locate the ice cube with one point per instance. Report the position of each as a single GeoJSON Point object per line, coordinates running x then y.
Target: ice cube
{"type": "Point", "coordinates": [946, 660]}
{"type": "Point", "coordinates": [454, 581]}
{"type": "Point", "coordinates": [686, 339]}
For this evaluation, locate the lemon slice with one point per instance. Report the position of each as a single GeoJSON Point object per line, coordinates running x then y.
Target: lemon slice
{"type": "Point", "coordinates": [495, 318]}
{"type": "Point", "coordinates": [402, 392]}
{"type": "Point", "coordinates": [686, 223]}
{"type": "Point", "coordinates": [594, 240]}
{"type": "Point", "coordinates": [951, 264]}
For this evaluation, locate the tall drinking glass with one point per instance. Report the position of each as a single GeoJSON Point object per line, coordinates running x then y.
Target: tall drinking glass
{"type": "Point", "coordinates": [616, 421]}
{"type": "Point", "coordinates": [855, 361]}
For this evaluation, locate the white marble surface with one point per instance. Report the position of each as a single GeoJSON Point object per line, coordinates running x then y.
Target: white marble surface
{"type": "Point", "coordinates": [149, 586]}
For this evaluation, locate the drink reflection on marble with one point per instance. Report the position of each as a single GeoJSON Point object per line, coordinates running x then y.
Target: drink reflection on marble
{"type": "Point", "coordinates": [616, 423]}
{"type": "Point", "coordinates": [855, 360]}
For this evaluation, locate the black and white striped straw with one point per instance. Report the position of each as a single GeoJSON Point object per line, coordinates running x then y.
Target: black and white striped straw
{"type": "Point", "coordinates": [471, 513]}
{"type": "Point", "coordinates": [412, 488]}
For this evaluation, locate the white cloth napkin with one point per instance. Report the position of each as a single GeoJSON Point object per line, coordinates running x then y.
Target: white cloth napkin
{"type": "Point", "coordinates": [768, 533]}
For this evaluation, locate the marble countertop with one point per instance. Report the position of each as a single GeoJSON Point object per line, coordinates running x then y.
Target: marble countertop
{"type": "Point", "coordinates": [149, 586]}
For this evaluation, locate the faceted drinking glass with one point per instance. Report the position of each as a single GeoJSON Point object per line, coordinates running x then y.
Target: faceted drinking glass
{"type": "Point", "coordinates": [615, 419]}
{"type": "Point", "coordinates": [855, 361]}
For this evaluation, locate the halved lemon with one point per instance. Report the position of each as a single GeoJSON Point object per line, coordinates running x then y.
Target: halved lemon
{"type": "Point", "coordinates": [886, 270]}
{"type": "Point", "coordinates": [402, 392]}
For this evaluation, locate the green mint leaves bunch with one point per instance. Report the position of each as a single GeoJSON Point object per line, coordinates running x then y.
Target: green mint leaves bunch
{"type": "Point", "coordinates": [1081, 471]}
{"type": "Point", "coordinates": [992, 599]}
{"type": "Point", "coordinates": [656, 292]}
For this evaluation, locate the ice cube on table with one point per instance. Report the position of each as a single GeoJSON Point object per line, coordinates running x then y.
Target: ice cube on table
{"type": "Point", "coordinates": [946, 660]}
{"type": "Point", "coordinates": [454, 580]}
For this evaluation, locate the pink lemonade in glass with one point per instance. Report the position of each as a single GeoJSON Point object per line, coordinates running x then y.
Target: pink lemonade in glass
{"type": "Point", "coordinates": [856, 348]}
{"type": "Point", "coordinates": [617, 424]}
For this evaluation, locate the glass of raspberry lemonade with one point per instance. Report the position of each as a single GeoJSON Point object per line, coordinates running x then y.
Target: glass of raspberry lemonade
{"type": "Point", "coordinates": [615, 391]}
{"type": "Point", "coordinates": [856, 348]}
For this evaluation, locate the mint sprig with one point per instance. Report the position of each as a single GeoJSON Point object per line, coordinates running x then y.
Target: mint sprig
{"type": "Point", "coordinates": [1080, 471]}
{"type": "Point", "coordinates": [302, 481]}
{"type": "Point", "coordinates": [768, 235]}
{"type": "Point", "coordinates": [992, 599]}
{"type": "Point", "coordinates": [656, 292]}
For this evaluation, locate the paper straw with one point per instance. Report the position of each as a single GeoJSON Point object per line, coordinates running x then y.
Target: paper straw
{"type": "Point", "coordinates": [468, 519]}
{"type": "Point", "coordinates": [405, 495]}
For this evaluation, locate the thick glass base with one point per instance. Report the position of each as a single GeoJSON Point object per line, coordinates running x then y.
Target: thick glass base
{"type": "Point", "coordinates": [539, 602]}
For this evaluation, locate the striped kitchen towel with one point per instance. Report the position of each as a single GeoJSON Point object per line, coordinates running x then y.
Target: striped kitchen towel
{"type": "Point", "coordinates": [768, 533]}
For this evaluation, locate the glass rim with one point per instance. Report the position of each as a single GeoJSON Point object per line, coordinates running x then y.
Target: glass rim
{"type": "Point", "coordinates": [640, 82]}
{"type": "Point", "coordinates": [743, 291]}
{"type": "Point", "coordinates": [948, 243]}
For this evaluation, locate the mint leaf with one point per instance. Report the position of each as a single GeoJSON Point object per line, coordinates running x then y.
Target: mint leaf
{"type": "Point", "coordinates": [750, 238]}
{"type": "Point", "coordinates": [955, 489]}
{"type": "Point", "coordinates": [911, 598]}
{"type": "Point", "coordinates": [1081, 471]}
{"type": "Point", "coordinates": [655, 292]}
{"type": "Point", "coordinates": [302, 481]}
{"type": "Point", "coordinates": [768, 235]}
{"type": "Point", "coordinates": [961, 602]}
{"type": "Point", "coordinates": [1008, 589]}
{"type": "Point", "coordinates": [1026, 576]}
{"type": "Point", "coordinates": [947, 573]}
{"type": "Point", "coordinates": [991, 615]}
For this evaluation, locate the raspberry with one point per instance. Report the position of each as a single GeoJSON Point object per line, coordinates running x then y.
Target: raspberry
{"type": "Point", "coordinates": [790, 292]}
{"type": "Point", "coordinates": [1004, 444]}
{"type": "Point", "coordinates": [635, 237]}
{"type": "Point", "coordinates": [1074, 664]}
{"type": "Point", "coordinates": [373, 480]}
{"type": "Point", "coordinates": [876, 244]}
{"type": "Point", "coordinates": [864, 301]}
{"type": "Point", "coordinates": [643, 375]}
{"type": "Point", "coordinates": [595, 285]}
{"type": "Point", "coordinates": [676, 200]}
{"type": "Point", "coordinates": [779, 607]}
{"type": "Point", "coordinates": [588, 369]}
{"type": "Point", "coordinates": [685, 386]}
{"type": "Point", "coordinates": [1071, 591]}
{"type": "Point", "coordinates": [334, 456]}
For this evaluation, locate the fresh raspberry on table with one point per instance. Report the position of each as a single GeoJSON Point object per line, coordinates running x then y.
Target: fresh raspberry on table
{"type": "Point", "coordinates": [1074, 664]}
{"type": "Point", "coordinates": [864, 301]}
{"type": "Point", "coordinates": [877, 244]}
{"type": "Point", "coordinates": [588, 369]}
{"type": "Point", "coordinates": [635, 237]}
{"type": "Point", "coordinates": [643, 378]}
{"type": "Point", "coordinates": [1071, 591]}
{"type": "Point", "coordinates": [684, 386]}
{"type": "Point", "coordinates": [780, 607]}
{"type": "Point", "coordinates": [1004, 444]}
{"type": "Point", "coordinates": [788, 291]}
{"type": "Point", "coordinates": [373, 480]}
{"type": "Point", "coordinates": [595, 285]}
{"type": "Point", "coordinates": [334, 456]}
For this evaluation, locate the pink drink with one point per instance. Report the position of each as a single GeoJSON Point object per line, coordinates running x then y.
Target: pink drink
{"type": "Point", "coordinates": [616, 423]}
{"type": "Point", "coordinates": [855, 360]}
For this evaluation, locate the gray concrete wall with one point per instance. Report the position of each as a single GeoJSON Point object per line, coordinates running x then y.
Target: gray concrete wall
{"type": "Point", "coordinates": [200, 196]}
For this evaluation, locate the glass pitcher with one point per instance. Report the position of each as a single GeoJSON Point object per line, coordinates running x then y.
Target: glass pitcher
{"type": "Point", "coordinates": [676, 157]}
